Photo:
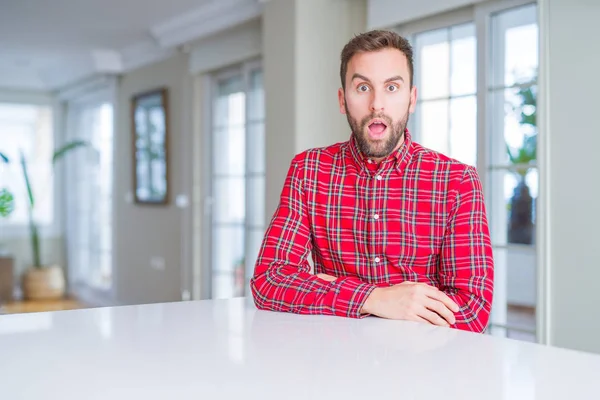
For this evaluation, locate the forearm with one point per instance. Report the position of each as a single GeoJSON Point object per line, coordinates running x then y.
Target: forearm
{"type": "Point", "coordinates": [467, 265]}
{"type": "Point", "coordinates": [293, 289]}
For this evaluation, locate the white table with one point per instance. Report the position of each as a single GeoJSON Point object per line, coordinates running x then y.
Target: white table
{"type": "Point", "coordinates": [229, 350]}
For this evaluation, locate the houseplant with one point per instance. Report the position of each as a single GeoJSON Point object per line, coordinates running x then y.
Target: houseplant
{"type": "Point", "coordinates": [520, 225]}
{"type": "Point", "coordinates": [40, 281]}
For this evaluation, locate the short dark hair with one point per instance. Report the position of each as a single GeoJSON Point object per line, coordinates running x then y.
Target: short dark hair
{"type": "Point", "coordinates": [373, 41]}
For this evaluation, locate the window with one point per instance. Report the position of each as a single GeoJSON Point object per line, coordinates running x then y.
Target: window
{"type": "Point", "coordinates": [90, 174]}
{"type": "Point", "coordinates": [452, 79]}
{"type": "Point", "coordinates": [445, 119]}
{"type": "Point", "coordinates": [237, 178]}
{"type": "Point", "coordinates": [28, 129]}
{"type": "Point", "coordinates": [512, 174]}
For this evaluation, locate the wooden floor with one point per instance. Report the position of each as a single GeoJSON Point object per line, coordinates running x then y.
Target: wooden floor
{"type": "Point", "coordinates": [39, 306]}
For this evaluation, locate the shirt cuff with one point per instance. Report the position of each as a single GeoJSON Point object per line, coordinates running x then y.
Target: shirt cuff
{"type": "Point", "coordinates": [351, 296]}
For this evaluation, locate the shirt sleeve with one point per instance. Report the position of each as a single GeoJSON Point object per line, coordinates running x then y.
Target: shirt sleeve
{"type": "Point", "coordinates": [282, 280]}
{"type": "Point", "coordinates": [467, 268]}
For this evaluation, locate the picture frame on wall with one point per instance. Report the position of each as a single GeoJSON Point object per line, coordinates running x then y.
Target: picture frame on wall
{"type": "Point", "coordinates": [150, 138]}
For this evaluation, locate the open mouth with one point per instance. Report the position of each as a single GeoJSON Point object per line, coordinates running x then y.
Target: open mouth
{"type": "Point", "coordinates": [377, 129]}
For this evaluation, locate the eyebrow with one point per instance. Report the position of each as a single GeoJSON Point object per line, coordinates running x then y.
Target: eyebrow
{"type": "Point", "coordinates": [364, 78]}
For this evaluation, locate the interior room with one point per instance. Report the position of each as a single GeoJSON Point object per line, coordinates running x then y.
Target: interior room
{"type": "Point", "coordinates": [145, 144]}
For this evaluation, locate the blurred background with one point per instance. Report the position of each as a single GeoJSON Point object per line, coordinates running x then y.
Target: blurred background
{"type": "Point", "coordinates": [144, 144]}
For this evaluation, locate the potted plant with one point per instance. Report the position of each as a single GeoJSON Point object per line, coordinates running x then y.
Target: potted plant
{"type": "Point", "coordinates": [520, 225]}
{"type": "Point", "coordinates": [40, 281]}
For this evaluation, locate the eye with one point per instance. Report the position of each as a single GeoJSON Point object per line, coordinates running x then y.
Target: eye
{"type": "Point", "coordinates": [392, 88]}
{"type": "Point", "coordinates": [363, 88]}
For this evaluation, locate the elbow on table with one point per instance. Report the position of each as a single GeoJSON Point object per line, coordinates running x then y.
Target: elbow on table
{"type": "Point", "coordinates": [259, 297]}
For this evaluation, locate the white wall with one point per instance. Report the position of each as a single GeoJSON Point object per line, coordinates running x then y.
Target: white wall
{"type": "Point", "coordinates": [571, 61]}
{"type": "Point", "coordinates": [279, 64]}
{"type": "Point", "coordinates": [144, 232]}
{"type": "Point", "coordinates": [322, 30]}
{"type": "Point", "coordinates": [302, 42]}
{"type": "Point", "coordinates": [233, 46]}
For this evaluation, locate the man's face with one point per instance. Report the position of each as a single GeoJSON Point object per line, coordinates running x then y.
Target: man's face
{"type": "Point", "coordinates": [378, 100]}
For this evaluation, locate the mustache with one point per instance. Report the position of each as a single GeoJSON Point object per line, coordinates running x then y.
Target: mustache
{"type": "Point", "coordinates": [382, 116]}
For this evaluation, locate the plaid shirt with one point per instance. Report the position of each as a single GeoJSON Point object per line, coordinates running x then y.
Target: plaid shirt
{"type": "Point", "coordinates": [419, 216]}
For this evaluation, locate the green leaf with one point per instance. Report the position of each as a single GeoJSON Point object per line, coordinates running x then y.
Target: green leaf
{"type": "Point", "coordinates": [61, 152]}
{"type": "Point", "coordinates": [27, 182]}
{"type": "Point", "coordinates": [7, 203]}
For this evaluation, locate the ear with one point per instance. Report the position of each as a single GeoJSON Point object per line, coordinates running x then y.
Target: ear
{"type": "Point", "coordinates": [342, 100]}
{"type": "Point", "coordinates": [413, 99]}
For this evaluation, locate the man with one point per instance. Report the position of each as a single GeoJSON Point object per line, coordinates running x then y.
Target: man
{"type": "Point", "coordinates": [396, 230]}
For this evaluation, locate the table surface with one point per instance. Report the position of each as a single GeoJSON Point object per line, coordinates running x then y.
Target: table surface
{"type": "Point", "coordinates": [226, 349]}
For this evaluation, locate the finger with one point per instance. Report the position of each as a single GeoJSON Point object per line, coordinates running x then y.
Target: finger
{"type": "Point", "coordinates": [420, 319]}
{"type": "Point", "coordinates": [443, 297]}
{"type": "Point", "coordinates": [441, 309]}
{"type": "Point", "coordinates": [433, 318]}
{"type": "Point", "coordinates": [416, 318]}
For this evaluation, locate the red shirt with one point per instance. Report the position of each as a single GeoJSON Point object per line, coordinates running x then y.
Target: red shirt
{"type": "Point", "coordinates": [417, 216]}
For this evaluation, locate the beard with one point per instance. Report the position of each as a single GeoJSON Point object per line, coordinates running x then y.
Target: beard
{"type": "Point", "coordinates": [377, 148]}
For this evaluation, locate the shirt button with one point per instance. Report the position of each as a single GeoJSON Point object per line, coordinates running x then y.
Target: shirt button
{"type": "Point", "coordinates": [378, 177]}
{"type": "Point", "coordinates": [370, 161]}
{"type": "Point", "coordinates": [377, 259]}
{"type": "Point", "coordinates": [376, 216]}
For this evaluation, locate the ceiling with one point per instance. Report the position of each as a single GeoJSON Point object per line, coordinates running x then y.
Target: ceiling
{"type": "Point", "coordinates": [47, 45]}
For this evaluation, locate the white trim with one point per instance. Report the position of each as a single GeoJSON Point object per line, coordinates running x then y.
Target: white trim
{"type": "Point", "coordinates": [207, 20]}
{"type": "Point", "coordinates": [186, 155]}
{"type": "Point", "coordinates": [144, 53]}
{"type": "Point", "coordinates": [484, 66]}
{"type": "Point", "coordinates": [544, 261]}
{"type": "Point", "coordinates": [205, 201]}
{"type": "Point", "coordinates": [89, 90]}
{"type": "Point", "coordinates": [456, 17]}
{"type": "Point", "coordinates": [495, 6]}
{"type": "Point", "coordinates": [26, 97]}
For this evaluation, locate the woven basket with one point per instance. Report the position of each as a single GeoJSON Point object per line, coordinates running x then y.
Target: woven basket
{"type": "Point", "coordinates": [47, 283]}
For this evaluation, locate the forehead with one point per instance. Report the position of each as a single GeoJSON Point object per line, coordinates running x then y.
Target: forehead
{"type": "Point", "coordinates": [379, 65]}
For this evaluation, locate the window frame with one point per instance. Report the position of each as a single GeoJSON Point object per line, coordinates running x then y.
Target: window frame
{"type": "Point", "coordinates": [55, 229]}
{"type": "Point", "coordinates": [209, 83]}
{"type": "Point", "coordinates": [103, 91]}
{"type": "Point", "coordinates": [481, 16]}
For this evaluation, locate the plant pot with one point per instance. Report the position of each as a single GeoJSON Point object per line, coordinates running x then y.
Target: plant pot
{"type": "Point", "coordinates": [46, 283]}
{"type": "Point", "coordinates": [520, 228]}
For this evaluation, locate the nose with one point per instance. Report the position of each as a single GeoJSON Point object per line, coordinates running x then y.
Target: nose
{"type": "Point", "coordinates": [376, 103]}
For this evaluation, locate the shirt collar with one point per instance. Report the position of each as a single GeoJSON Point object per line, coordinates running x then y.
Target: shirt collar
{"type": "Point", "coordinates": [398, 159]}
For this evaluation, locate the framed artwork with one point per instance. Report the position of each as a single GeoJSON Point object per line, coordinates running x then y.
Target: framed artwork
{"type": "Point", "coordinates": [150, 113]}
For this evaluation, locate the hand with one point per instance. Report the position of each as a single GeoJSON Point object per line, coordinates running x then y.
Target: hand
{"type": "Point", "coordinates": [412, 302]}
